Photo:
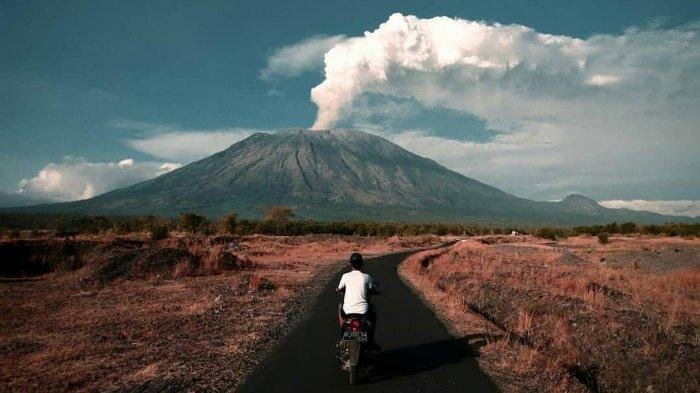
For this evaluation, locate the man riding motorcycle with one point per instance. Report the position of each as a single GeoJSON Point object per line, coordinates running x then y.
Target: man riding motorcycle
{"type": "Point", "coordinates": [358, 287]}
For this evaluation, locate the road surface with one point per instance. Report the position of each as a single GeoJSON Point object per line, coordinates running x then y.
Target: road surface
{"type": "Point", "coordinates": [418, 355]}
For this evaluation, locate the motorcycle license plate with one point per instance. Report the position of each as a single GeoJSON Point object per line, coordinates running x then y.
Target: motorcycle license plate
{"type": "Point", "coordinates": [355, 336]}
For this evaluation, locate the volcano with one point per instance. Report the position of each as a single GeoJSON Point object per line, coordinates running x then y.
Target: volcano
{"type": "Point", "coordinates": [336, 175]}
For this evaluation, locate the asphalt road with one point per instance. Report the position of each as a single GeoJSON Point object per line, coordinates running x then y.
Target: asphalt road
{"type": "Point", "coordinates": [418, 355]}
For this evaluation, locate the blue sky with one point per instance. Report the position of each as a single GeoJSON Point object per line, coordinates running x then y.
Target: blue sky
{"type": "Point", "coordinates": [98, 81]}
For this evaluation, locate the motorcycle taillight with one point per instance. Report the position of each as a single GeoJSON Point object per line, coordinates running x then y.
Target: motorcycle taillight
{"type": "Point", "coordinates": [355, 325]}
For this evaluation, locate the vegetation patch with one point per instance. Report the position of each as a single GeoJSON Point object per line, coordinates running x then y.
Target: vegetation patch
{"type": "Point", "coordinates": [622, 324]}
{"type": "Point", "coordinates": [190, 312]}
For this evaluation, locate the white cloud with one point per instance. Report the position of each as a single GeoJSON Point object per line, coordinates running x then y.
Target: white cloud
{"type": "Point", "coordinates": [188, 146]}
{"type": "Point", "coordinates": [523, 164]}
{"type": "Point", "coordinates": [480, 68]}
{"type": "Point", "coordinates": [173, 143]}
{"type": "Point", "coordinates": [515, 161]}
{"type": "Point", "coordinates": [602, 80]}
{"type": "Point", "coordinates": [673, 208]}
{"type": "Point", "coordinates": [615, 111]}
{"type": "Point", "coordinates": [76, 178]}
{"type": "Point", "coordinates": [293, 60]}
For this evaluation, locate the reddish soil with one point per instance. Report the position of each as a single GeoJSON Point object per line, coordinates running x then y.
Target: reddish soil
{"type": "Point", "coordinates": [124, 313]}
{"type": "Point", "coordinates": [572, 315]}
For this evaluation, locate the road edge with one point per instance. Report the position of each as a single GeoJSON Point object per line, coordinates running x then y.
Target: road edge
{"type": "Point", "coordinates": [302, 302]}
{"type": "Point", "coordinates": [449, 326]}
{"type": "Point", "coordinates": [446, 323]}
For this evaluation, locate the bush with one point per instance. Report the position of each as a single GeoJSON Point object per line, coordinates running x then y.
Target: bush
{"type": "Point", "coordinates": [159, 232]}
{"type": "Point", "coordinates": [651, 230]}
{"type": "Point", "coordinates": [628, 227]}
{"type": "Point", "coordinates": [279, 215]}
{"type": "Point", "coordinates": [549, 233]}
{"type": "Point", "coordinates": [612, 228]}
{"type": "Point", "coordinates": [603, 238]}
{"type": "Point", "coordinates": [193, 222]}
{"type": "Point", "coordinates": [217, 259]}
{"type": "Point", "coordinates": [227, 223]}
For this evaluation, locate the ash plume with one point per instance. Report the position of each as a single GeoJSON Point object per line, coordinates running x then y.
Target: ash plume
{"type": "Point", "coordinates": [481, 68]}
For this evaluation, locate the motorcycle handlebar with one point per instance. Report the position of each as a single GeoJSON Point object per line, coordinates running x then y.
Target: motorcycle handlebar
{"type": "Point", "coordinates": [371, 291]}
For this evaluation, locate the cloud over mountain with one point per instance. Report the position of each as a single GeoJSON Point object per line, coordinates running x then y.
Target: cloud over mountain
{"type": "Point", "coordinates": [509, 75]}
{"type": "Point", "coordinates": [673, 208]}
{"type": "Point", "coordinates": [187, 146]}
{"type": "Point", "coordinates": [292, 60]}
{"type": "Point", "coordinates": [178, 144]}
{"type": "Point", "coordinates": [567, 114]}
{"type": "Point", "coordinates": [77, 178]}
{"type": "Point", "coordinates": [332, 175]}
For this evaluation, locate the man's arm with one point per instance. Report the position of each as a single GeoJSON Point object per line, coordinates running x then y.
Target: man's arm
{"type": "Point", "coordinates": [341, 285]}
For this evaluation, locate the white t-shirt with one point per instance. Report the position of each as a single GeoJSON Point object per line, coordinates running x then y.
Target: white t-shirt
{"type": "Point", "coordinates": [356, 285]}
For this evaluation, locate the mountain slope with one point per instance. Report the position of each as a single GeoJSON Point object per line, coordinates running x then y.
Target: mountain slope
{"type": "Point", "coordinates": [336, 174]}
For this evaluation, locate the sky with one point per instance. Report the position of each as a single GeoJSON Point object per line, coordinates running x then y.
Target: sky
{"type": "Point", "coordinates": [541, 98]}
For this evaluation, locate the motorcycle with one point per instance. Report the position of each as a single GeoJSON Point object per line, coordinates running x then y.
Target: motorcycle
{"type": "Point", "coordinates": [354, 351]}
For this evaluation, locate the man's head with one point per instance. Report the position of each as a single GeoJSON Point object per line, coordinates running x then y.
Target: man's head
{"type": "Point", "coordinates": [356, 261]}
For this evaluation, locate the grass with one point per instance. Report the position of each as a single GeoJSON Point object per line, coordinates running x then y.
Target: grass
{"type": "Point", "coordinates": [190, 311]}
{"type": "Point", "coordinates": [565, 318]}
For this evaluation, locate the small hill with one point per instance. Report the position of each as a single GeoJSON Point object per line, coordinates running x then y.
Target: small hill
{"type": "Point", "coordinates": [581, 204]}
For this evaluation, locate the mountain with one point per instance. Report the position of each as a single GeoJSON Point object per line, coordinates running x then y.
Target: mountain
{"type": "Point", "coordinates": [337, 175]}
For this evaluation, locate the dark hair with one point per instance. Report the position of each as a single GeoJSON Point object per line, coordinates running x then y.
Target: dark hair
{"type": "Point", "coordinates": [356, 260]}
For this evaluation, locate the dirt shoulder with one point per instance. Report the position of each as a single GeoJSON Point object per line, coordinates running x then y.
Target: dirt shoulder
{"type": "Point", "coordinates": [125, 314]}
{"type": "Point", "coordinates": [572, 315]}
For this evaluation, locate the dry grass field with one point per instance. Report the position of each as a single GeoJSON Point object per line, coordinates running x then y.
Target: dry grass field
{"type": "Point", "coordinates": [98, 313]}
{"type": "Point", "coordinates": [573, 314]}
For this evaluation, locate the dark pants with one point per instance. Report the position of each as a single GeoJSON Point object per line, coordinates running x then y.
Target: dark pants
{"type": "Point", "coordinates": [370, 316]}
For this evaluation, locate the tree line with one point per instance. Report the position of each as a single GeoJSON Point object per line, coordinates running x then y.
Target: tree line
{"type": "Point", "coordinates": [626, 228]}
{"type": "Point", "coordinates": [279, 220]}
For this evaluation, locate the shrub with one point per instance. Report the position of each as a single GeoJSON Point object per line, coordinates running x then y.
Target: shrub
{"type": "Point", "coordinates": [193, 222]}
{"type": "Point", "coordinates": [158, 232]}
{"type": "Point", "coordinates": [603, 238]}
{"type": "Point", "coordinates": [216, 259]}
{"type": "Point", "coordinates": [547, 233]}
{"type": "Point", "coordinates": [612, 228]}
{"type": "Point", "coordinates": [227, 223]}
{"type": "Point", "coordinates": [279, 215]}
{"type": "Point", "coordinates": [651, 230]}
{"type": "Point", "coordinates": [628, 227]}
